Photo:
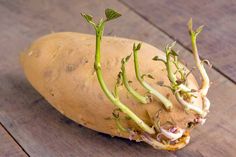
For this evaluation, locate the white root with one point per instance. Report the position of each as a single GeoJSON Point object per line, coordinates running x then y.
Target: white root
{"type": "Point", "coordinates": [199, 120]}
{"type": "Point", "coordinates": [205, 82]}
{"type": "Point", "coordinates": [182, 142]}
{"type": "Point", "coordinates": [171, 135]}
{"type": "Point", "coordinates": [206, 104]}
{"type": "Point", "coordinates": [189, 106]}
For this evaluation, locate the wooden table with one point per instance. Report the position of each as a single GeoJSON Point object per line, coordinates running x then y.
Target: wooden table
{"type": "Point", "coordinates": [31, 127]}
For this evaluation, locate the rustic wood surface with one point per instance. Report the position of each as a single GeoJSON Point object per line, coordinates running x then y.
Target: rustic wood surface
{"type": "Point", "coordinates": [42, 131]}
{"type": "Point", "coordinates": [8, 147]}
{"type": "Point", "coordinates": [217, 42]}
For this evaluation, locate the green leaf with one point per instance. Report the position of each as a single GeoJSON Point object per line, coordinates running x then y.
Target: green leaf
{"type": "Point", "coordinates": [111, 14]}
{"type": "Point", "coordinates": [138, 47]}
{"type": "Point", "coordinates": [144, 75]}
{"type": "Point", "coordinates": [156, 58]}
{"type": "Point", "coordinates": [128, 57]}
{"type": "Point", "coordinates": [87, 17]}
{"type": "Point", "coordinates": [134, 47]}
{"type": "Point", "coordinates": [116, 112]}
{"type": "Point", "coordinates": [130, 81]}
{"type": "Point", "coordinates": [119, 78]}
{"type": "Point", "coordinates": [172, 45]}
{"type": "Point", "coordinates": [147, 75]}
{"type": "Point", "coordinates": [150, 76]}
{"type": "Point", "coordinates": [127, 117]}
{"type": "Point", "coordinates": [199, 29]}
{"type": "Point", "coordinates": [115, 115]}
{"type": "Point", "coordinates": [190, 26]}
{"type": "Point", "coordinates": [174, 53]}
{"type": "Point", "coordinates": [123, 61]}
{"type": "Point", "coordinates": [169, 47]}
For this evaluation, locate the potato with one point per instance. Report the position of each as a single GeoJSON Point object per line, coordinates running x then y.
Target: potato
{"type": "Point", "coordinates": [60, 66]}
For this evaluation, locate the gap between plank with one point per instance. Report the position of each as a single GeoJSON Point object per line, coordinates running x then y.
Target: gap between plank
{"type": "Point", "coordinates": [171, 37]}
{"type": "Point", "coordinates": [14, 139]}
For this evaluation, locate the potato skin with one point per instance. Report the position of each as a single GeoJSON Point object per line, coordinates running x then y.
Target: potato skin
{"type": "Point", "coordinates": [60, 66]}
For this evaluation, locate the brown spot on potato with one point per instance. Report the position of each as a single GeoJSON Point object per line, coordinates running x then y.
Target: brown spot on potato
{"type": "Point", "coordinates": [100, 96]}
{"type": "Point", "coordinates": [51, 92]}
{"type": "Point", "coordinates": [47, 73]}
{"type": "Point", "coordinates": [168, 96]}
{"type": "Point", "coordinates": [88, 44]}
{"type": "Point", "coordinates": [69, 51]}
{"type": "Point", "coordinates": [51, 75]}
{"type": "Point", "coordinates": [108, 64]}
{"type": "Point", "coordinates": [71, 67]}
{"type": "Point", "coordinates": [84, 60]}
{"type": "Point", "coordinates": [108, 118]}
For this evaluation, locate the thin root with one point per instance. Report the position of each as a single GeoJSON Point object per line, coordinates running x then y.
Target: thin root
{"type": "Point", "coordinates": [182, 142]}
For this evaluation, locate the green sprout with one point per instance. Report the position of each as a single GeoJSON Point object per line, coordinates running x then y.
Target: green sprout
{"type": "Point", "coordinates": [99, 28]}
{"type": "Point", "coordinates": [133, 92]}
{"type": "Point", "coordinates": [177, 75]}
{"type": "Point", "coordinates": [179, 85]}
{"type": "Point", "coordinates": [167, 103]}
{"type": "Point", "coordinates": [118, 83]}
{"type": "Point", "coordinates": [193, 35]}
{"type": "Point", "coordinates": [116, 117]}
{"type": "Point", "coordinates": [205, 79]}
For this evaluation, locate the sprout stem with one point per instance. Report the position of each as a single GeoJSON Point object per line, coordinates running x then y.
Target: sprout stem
{"type": "Point", "coordinates": [180, 71]}
{"type": "Point", "coordinates": [116, 117]}
{"type": "Point", "coordinates": [167, 103]}
{"type": "Point", "coordinates": [119, 125]}
{"type": "Point", "coordinates": [193, 35]}
{"type": "Point", "coordinates": [177, 88]}
{"type": "Point", "coordinates": [110, 96]}
{"type": "Point", "coordinates": [99, 28]}
{"type": "Point", "coordinates": [170, 72]}
{"type": "Point", "coordinates": [135, 94]}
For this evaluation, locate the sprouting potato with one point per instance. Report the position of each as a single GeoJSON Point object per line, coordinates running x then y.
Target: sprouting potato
{"type": "Point", "coordinates": [97, 82]}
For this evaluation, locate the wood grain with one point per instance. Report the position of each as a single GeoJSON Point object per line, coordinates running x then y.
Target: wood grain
{"type": "Point", "coordinates": [42, 131]}
{"type": "Point", "coordinates": [8, 147]}
{"type": "Point", "coordinates": [216, 43]}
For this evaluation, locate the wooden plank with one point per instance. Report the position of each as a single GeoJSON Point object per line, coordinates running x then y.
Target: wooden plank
{"type": "Point", "coordinates": [42, 131]}
{"type": "Point", "coordinates": [8, 147]}
{"type": "Point", "coordinates": [216, 43]}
